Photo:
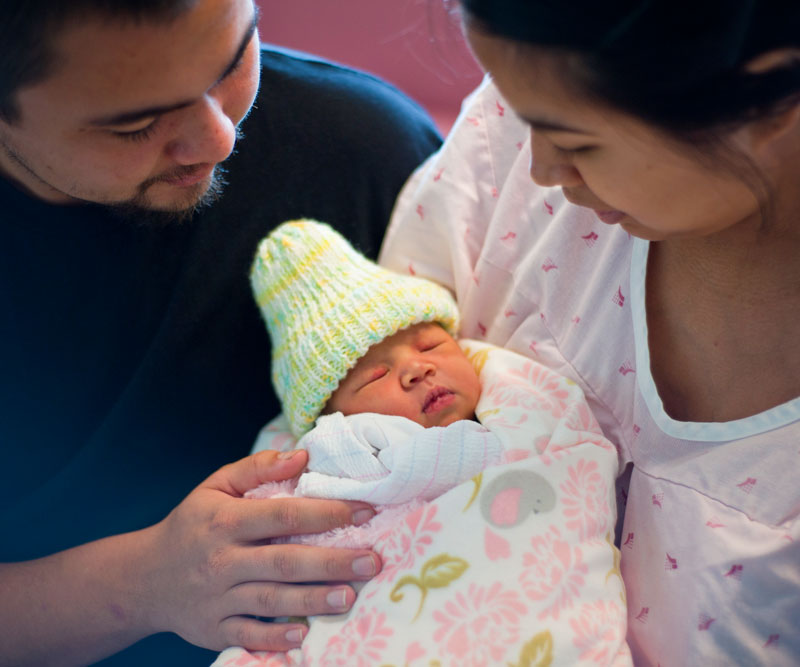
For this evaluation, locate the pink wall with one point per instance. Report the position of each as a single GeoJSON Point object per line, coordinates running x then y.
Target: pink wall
{"type": "Point", "coordinates": [414, 44]}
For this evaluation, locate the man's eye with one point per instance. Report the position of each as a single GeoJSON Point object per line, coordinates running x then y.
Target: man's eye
{"type": "Point", "coordinates": [138, 134]}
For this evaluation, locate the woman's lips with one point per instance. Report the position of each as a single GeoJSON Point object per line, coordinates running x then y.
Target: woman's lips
{"type": "Point", "coordinates": [610, 217]}
{"type": "Point", "coordinates": [436, 399]}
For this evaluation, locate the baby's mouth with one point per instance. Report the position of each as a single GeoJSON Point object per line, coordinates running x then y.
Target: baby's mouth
{"type": "Point", "coordinates": [436, 399]}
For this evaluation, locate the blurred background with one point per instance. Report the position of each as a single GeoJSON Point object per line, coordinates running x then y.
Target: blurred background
{"type": "Point", "coordinates": [415, 44]}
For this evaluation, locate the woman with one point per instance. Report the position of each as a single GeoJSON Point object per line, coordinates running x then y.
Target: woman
{"type": "Point", "coordinates": [653, 258]}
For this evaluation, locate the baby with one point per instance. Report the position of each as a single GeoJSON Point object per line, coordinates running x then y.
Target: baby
{"type": "Point", "coordinates": [329, 309]}
{"type": "Point", "coordinates": [367, 358]}
{"type": "Point", "coordinates": [493, 482]}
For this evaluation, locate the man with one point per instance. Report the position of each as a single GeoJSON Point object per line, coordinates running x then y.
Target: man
{"type": "Point", "coordinates": [132, 359]}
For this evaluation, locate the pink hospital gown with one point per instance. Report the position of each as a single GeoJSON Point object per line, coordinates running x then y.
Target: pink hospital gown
{"type": "Point", "coordinates": [711, 536]}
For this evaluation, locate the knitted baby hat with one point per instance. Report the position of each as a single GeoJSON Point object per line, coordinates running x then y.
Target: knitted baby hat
{"type": "Point", "coordinates": [325, 305]}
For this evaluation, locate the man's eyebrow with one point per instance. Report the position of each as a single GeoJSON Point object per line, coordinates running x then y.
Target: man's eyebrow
{"type": "Point", "coordinates": [243, 45]}
{"type": "Point", "coordinates": [128, 117]}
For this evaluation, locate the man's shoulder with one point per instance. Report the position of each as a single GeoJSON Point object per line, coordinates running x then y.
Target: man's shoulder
{"type": "Point", "coordinates": [323, 141]}
{"type": "Point", "coordinates": [305, 71]}
{"type": "Point", "coordinates": [320, 90]}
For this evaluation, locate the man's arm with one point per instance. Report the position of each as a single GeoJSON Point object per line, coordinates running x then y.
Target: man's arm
{"type": "Point", "coordinates": [203, 572]}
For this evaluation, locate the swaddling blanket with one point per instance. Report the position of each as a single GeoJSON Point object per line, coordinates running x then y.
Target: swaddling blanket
{"type": "Point", "coordinates": [388, 460]}
{"type": "Point", "coordinates": [513, 565]}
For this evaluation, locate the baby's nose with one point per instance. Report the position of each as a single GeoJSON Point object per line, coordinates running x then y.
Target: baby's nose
{"type": "Point", "coordinates": [415, 371]}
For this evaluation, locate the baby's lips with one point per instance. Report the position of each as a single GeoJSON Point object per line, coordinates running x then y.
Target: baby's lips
{"type": "Point", "coordinates": [434, 394]}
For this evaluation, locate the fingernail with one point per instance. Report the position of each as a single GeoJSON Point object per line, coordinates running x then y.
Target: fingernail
{"type": "Point", "coordinates": [294, 636]}
{"type": "Point", "coordinates": [283, 456]}
{"type": "Point", "coordinates": [337, 599]}
{"type": "Point", "coordinates": [362, 516]}
{"type": "Point", "coordinates": [364, 566]}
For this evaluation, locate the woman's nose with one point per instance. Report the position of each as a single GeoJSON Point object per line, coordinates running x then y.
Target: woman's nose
{"type": "Point", "coordinates": [206, 134]}
{"type": "Point", "coordinates": [549, 167]}
{"type": "Point", "coordinates": [414, 371]}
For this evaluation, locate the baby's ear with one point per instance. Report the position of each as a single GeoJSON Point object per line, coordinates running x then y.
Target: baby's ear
{"type": "Point", "coordinates": [327, 408]}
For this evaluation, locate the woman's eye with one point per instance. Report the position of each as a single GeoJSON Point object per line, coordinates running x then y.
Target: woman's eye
{"type": "Point", "coordinates": [573, 151]}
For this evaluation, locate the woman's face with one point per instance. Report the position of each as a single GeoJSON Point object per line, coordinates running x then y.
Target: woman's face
{"type": "Point", "coordinates": [625, 170]}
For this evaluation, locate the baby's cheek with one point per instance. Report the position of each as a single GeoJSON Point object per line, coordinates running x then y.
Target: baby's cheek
{"type": "Point", "coordinates": [475, 391]}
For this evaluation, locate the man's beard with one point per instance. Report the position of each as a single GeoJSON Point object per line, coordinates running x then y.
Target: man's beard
{"type": "Point", "coordinates": [138, 210]}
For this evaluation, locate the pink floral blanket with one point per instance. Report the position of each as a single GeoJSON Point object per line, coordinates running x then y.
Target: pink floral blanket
{"type": "Point", "coordinates": [514, 566]}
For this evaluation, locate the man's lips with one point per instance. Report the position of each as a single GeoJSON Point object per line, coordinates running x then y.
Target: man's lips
{"type": "Point", "coordinates": [190, 175]}
{"type": "Point", "coordinates": [436, 399]}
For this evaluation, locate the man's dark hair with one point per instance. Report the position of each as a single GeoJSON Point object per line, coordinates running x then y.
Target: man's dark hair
{"type": "Point", "coordinates": [28, 27]}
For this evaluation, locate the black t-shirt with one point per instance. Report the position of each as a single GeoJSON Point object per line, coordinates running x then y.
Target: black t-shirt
{"type": "Point", "coordinates": [133, 361]}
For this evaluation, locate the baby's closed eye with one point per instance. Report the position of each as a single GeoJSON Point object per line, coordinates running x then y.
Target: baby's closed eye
{"type": "Point", "coordinates": [372, 375]}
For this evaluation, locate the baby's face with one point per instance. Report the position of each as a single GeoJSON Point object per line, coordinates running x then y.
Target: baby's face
{"type": "Point", "coordinates": [420, 373]}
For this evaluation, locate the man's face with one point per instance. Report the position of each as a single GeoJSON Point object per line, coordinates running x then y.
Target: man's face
{"type": "Point", "coordinates": [136, 114]}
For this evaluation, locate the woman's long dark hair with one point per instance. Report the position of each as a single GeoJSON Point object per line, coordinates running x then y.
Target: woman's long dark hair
{"type": "Point", "coordinates": [676, 64]}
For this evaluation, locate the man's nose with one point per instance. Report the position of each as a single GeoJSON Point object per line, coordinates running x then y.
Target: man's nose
{"type": "Point", "coordinates": [206, 134]}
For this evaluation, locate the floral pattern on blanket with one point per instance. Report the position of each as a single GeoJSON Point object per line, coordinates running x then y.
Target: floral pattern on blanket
{"type": "Point", "coordinates": [515, 566]}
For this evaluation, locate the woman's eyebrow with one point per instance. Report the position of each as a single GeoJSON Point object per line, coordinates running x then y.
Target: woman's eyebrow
{"type": "Point", "coordinates": [544, 124]}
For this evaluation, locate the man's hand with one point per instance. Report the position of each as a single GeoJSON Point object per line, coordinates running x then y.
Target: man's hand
{"type": "Point", "coordinates": [214, 569]}
{"type": "Point", "coordinates": [205, 572]}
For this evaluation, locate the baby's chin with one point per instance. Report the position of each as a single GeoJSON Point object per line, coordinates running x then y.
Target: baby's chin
{"type": "Point", "coordinates": [468, 415]}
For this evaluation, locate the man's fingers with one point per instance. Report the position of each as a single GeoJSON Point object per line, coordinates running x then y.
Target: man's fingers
{"type": "Point", "coordinates": [255, 519]}
{"type": "Point", "coordinates": [268, 599]}
{"type": "Point", "coordinates": [266, 466]}
{"type": "Point", "coordinates": [301, 563]}
{"type": "Point", "coordinates": [255, 635]}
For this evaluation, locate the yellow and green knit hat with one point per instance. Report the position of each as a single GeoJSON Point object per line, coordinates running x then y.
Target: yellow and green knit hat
{"type": "Point", "coordinates": [325, 305]}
